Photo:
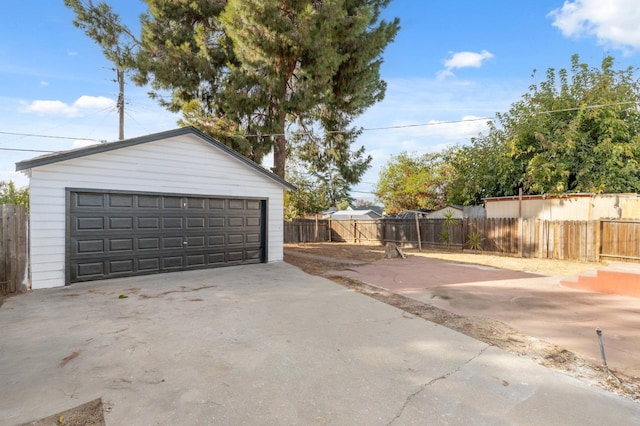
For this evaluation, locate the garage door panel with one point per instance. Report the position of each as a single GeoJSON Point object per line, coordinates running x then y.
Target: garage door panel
{"type": "Point", "coordinates": [235, 256]}
{"type": "Point", "coordinates": [148, 222]}
{"type": "Point", "coordinates": [215, 259]}
{"type": "Point", "coordinates": [236, 239]}
{"type": "Point", "coordinates": [123, 234]}
{"type": "Point", "coordinates": [88, 200]}
{"type": "Point", "coordinates": [148, 201]}
{"type": "Point", "coordinates": [172, 223]}
{"type": "Point", "coordinates": [235, 221]}
{"type": "Point", "coordinates": [89, 223]}
{"type": "Point", "coordinates": [90, 269]}
{"type": "Point", "coordinates": [254, 205]}
{"type": "Point", "coordinates": [120, 223]}
{"type": "Point", "coordinates": [196, 260]}
{"type": "Point", "coordinates": [172, 242]}
{"type": "Point", "coordinates": [253, 221]}
{"type": "Point", "coordinates": [196, 222]}
{"type": "Point", "coordinates": [253, 238]}
{"type": "Point", "coordinates": [196, 241]}
{"type": "Point", "coordinates": [148, 243]}
{"type": "Point", "coordinates": [216, 204]}
{"type": "Point", "coordinates": [119, 266]}
{"type": "Point", "coordinates": [216, 222]}
{"type": "Point", "coordinates": [172, 202]}
{"type": "Point", "coordinates": [215, 240]}
{"type": "Point", "coordinates": [89, 246]}
{"type": "Point", "coordinates": [236, 204]}
{"type": "Point", "coordinates": [121, 244]}
{"type": "Point", "coordinates": [196, 203]}
{"type": "Point", "coordinates": [172, 262]}
{"type": "Point", "coordinates": [255, 255]}
{"type": "Point", "coordinates": [149, 264]}
{"type": "Point", "coordinates": [120, 200]}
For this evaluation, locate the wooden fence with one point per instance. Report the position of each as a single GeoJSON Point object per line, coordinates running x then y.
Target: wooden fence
{"type": "Point", "coordinates": [620, 240]}
{"type": "Point", "coordinates": [13, 248]}
{"type": "Point", "coordinates": [563, 240]}
{"type": "Point", "coordinates": [306, 231]}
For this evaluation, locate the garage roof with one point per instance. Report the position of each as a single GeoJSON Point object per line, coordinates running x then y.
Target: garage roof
{"type": "Point", "coordinates": [96, 149]}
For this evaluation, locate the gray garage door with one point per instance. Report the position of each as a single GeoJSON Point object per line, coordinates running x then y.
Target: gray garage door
{"type": "Point", "coordinates": [120, 234]}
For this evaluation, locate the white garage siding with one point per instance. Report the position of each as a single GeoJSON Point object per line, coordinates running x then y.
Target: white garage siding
{"type": "Point", "coordinates": [183, 164]}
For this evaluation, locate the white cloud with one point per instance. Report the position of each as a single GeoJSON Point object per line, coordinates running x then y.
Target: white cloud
{"type": "Point", "coordinates": [72, 53]}
{"type": "Point", "coordinates": [613, 22]}
{"type": "Point", "coordinates": [467, 59]}
{"type": "Point", "coordinates": [94, 102]}
{"type": "Point", "coordinates": [463, 60]}
{"type": "Point", "coordinates": [51, 108]}
{"type": "Point", "coordinates": [442, 74]}
{"type": "Point", "coordinates": [61, 109]}
{"type": "Point", "coordinates": [44, 83]}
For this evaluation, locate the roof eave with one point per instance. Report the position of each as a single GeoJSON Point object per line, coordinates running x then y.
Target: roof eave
{"type": "Point", "coordinates": [112, 146]}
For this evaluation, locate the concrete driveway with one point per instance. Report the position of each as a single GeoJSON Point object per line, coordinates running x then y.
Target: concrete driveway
{"type": "Point", "coordinates": [268, 345]}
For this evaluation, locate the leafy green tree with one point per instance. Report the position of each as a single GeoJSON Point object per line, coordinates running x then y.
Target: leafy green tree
{"type": "Point", "coordinates": [10, 195]}
{"type": "Point", "coordinates": [481, 169]}
{"type": "Point", "coordinates": [409, 182]}
{"type": "Point", "coordinates": [577, 131]}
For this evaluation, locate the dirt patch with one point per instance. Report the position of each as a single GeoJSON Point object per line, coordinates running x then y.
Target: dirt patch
{"type": "Point", "coordinates": [367, 254]}
{"type": "Point", "coordinates": [89, 414]}
{"type": "Point", "coordinates": [319, 259]}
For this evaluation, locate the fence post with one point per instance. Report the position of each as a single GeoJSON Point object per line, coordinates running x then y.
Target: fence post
{"type": "Point", "coordinates": [353, 226]}
{"type": "Point", "coordinates": [418, 230]}
{"type": "Point", "coordinates": [598, 239]}
{"type": "Point", "coordinates": [315, 235]}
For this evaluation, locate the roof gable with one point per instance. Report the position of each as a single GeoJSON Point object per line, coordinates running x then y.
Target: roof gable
{"type": "Point", "coordinates": [111, 146]}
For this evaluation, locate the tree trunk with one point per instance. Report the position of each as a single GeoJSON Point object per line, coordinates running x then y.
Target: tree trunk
{"type": "Point", "coordinates": [287, 66]}
{"type": "Point", "coordinates": [279, 154]}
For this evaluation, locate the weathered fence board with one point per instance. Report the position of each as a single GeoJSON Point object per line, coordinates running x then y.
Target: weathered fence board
{"type": "Point", "coordinates": [620, 239]}
{"type": "Point", "coordinates": [568, 240]}
{"type": "Point", "coordinates": [13, 248]}
{"type": "Point", "coordinates": [306, 230]}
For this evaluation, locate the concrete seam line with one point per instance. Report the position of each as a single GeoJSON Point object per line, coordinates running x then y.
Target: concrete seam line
{"type": "Point", "coordinates": [426, 385]}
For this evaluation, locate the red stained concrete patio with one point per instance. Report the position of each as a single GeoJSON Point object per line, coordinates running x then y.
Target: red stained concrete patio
{"type": "Point", "coordinates": [536, 305]}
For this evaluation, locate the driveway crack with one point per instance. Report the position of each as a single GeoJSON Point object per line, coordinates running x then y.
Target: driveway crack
{"type": "Point", "coordinates": [437, 379]}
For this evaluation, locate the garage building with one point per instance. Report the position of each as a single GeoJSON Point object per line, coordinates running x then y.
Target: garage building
{"type": "Point", "coordinates": [171, 201]}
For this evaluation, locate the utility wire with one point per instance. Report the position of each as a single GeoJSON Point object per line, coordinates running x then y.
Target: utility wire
{"type": "Point", "coordinates": [24, 150]}
{"type": "Point", "coordinates": [50, 136]}
{"type": "Point", "coordinates": [403, 126]}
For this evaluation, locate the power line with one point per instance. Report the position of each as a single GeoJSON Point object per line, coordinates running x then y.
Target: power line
{"type": "Point", "coordinates": [403, 126]}
{"type": "Point", "coordinates": [51, 136]}
{"type": "Point", "coordinates": [24, 150]}
{"type": "Point", "coordinates": [468, 120]}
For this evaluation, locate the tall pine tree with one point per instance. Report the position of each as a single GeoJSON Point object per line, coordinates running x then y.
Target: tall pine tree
{"type": "Point", "coordinates": [246, 71]}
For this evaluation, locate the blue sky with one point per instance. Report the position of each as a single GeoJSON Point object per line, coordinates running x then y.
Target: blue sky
{"type": "Point", "coordinates": [451, 61]}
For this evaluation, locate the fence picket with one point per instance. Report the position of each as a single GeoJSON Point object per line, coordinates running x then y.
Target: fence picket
{"type": "Point", "coordinates": [13, 248]}
{"type": "Point", "coordinates": [568, 240]}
